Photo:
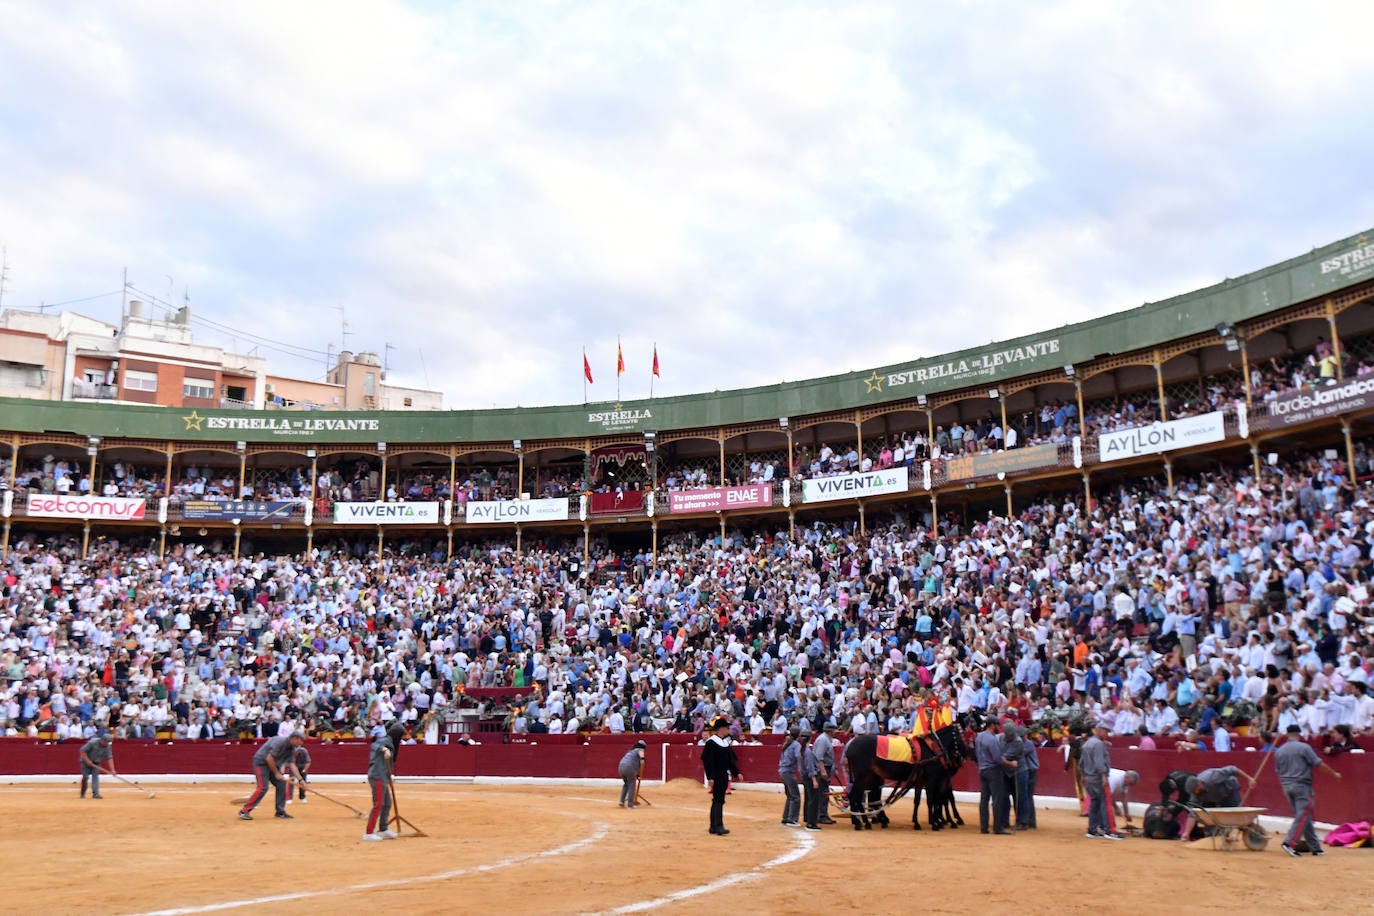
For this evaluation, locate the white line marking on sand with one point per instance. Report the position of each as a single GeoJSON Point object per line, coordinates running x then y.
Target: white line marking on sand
{"type": "Point", "coordinates": [602, 829]}
{"type": "Point", "coordinates": [803, 844]}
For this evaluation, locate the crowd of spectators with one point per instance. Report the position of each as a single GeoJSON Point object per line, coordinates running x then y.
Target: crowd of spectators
{"type": "Point", "coordinates": [359, 479]}
{"type": "Point", "coordinates": [1235, 600]}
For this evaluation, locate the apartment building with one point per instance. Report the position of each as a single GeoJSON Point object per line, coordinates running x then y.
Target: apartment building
{"type": "Point", "coordinates": [65, 356]}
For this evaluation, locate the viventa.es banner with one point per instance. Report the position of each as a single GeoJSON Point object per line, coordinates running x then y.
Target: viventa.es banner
{"type": "Point", "coordinates": [854, 486]}
{"type": "Point", "coordinates": [386, 513]}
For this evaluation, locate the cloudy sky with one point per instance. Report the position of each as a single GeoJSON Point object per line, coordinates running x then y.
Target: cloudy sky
{"type": "Point", "coordinates": [770, 191]}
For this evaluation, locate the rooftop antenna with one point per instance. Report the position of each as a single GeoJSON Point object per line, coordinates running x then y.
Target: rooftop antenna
{"type": "Point", "coordinates": [4, 272]}
{"type": "Point", "coordinates": [386, 359]}
{"type": "Point", "coordinates": [343, 327]}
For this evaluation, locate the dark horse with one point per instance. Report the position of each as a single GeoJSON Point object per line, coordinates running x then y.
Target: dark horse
{"type": "Point", "coordinates": [932, 772]}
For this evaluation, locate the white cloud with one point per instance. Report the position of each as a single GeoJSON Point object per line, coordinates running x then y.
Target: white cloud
{"type": "Point", "coordinates": [768, 191]}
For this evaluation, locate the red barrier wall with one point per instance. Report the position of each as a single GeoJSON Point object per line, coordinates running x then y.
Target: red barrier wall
{"type": "Point", "coordinates": [578, 757]}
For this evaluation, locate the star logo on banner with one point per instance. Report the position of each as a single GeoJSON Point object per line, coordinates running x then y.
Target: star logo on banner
{"type": "Point", "coordinates": [194, 421]}
{"type": "Point", "coordinates": [1363, 240]}
{"type": "Point", "coordinates": [618, 405]}
{"type": "Point", "coordinates": [874, 383]}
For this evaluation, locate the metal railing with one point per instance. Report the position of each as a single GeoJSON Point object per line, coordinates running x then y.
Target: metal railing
{"type": "Point", "coordinates": [93, 390]}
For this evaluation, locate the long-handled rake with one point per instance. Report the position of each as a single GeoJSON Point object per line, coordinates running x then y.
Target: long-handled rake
{"type": "Point", "coordinates": [639, 798]}
{"type": "Point", "coordinates": [313, 791]}
{"type": "Point", "coordinates": [130, 782]}
{"type": "Point", "coordinates": [396, 813]}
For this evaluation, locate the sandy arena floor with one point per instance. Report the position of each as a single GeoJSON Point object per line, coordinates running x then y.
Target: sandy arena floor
{"type": "Point", "coordinates": [572, 850]}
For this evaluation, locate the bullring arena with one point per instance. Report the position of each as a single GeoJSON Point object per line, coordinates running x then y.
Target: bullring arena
{"type": "Point", "coordinates": [529, 591]}
{"type": "Point", "coordinates": [570, 849]}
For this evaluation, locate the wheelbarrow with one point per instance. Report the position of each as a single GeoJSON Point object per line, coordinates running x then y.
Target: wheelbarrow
{"type": "Point", "coordinates": [1234, 828]}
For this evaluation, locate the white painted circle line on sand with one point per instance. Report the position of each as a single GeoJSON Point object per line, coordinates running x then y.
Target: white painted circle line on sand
{"type": "Point", "coordinates": [803, 843]}
{"type": "Point", "coordinates": [602, 829]}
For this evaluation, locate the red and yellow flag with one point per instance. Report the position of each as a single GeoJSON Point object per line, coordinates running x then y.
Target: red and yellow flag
{"type": "Point", "coordinates": [619, 359]}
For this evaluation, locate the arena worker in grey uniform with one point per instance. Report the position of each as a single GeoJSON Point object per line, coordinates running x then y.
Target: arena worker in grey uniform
{"type": "Point", "coordinates": [824, 748]}
{"type": "Point", "coordinates": [301, 764]}
{"type": "Point", "coordinates": [379, 782]}
{"type": "Point", "coordinates": [1216, 787]}
{"type": "Point", "coordinates": [1294, 761]}
{"type": "Point", "coordinates": [788, 764]}
{"type": "Point", "coordinates": [95, 752]}
{"type": "Point", "coordinates": [270, 765]}
{"type": "Point", "coordinates": [631, 765]}
{"type": "Point", "coordinates": [1095, 764]}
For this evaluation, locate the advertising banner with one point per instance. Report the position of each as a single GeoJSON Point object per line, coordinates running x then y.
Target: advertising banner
{"type": "Point", "coordinates": [386, 513]}
{"type": "Point", "coordinates": [111, 507]}
{"type": "Point", "coordinates": [1301, 406]}
{"type": "Point", "coordinates": [854, 486]}
{"type": "Point", "coordinates": [243, 509]}
{"type": "Point", "coordinates": [517, 510]}
{"type": "Point", "coordinates": [717, 499]}
{"type": "Point", "coordinates": [1161, 437]}
{"type": "Point", "coordinates": [1007, 462]}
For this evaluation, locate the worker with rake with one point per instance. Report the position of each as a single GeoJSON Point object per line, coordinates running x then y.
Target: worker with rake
{"type": "Point", "coordinates": [271, 766]}
{"type": "Point", "coordinates": [379, 782]}
{"type": "Point", "coordinates": [94, 753]}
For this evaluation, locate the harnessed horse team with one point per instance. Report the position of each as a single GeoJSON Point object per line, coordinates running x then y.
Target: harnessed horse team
{"type": "Point", "coordinates": [933, 759]}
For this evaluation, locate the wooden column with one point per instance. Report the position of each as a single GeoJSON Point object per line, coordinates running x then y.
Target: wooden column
{"type": "Point", "coordinates": [720, 439]}
{"type": "Point", "coordinates": [1245, 368]}
{"type": "Point", "coordinates": [1078, 395]}
{"type": "Point", "coordinates": [1087, 493]}
{"type": "Point", "coordinates": [1159, 380]}
{"type": "Point", "coordinates": [863, 527]}
{"type": "Point", "coordinates": [655, 529]}
{"type": "Point", "coordinates": [1169, 473]}
{"type": "Point", "coordinates": [1335, 339]}
{"type": "Point", "coordinates": [14, 460]}
{"type": "Point", "coordinates": [167, 477]}
{"type": "Point", "coordinates": [1349, 452]}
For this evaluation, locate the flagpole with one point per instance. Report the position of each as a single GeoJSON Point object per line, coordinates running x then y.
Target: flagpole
{"type": "Point", "coordinates": [584, 373]}
{"type": "Point", "coordinates": [618, 357]}
{"type": "Point", "coordinates": [651, 371]}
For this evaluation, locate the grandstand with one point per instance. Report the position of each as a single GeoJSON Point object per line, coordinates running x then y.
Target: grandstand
{"type": "Point", "coordinates": [1160, 521]}
{"type": "Point", "coordinates": [1228, 370]}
